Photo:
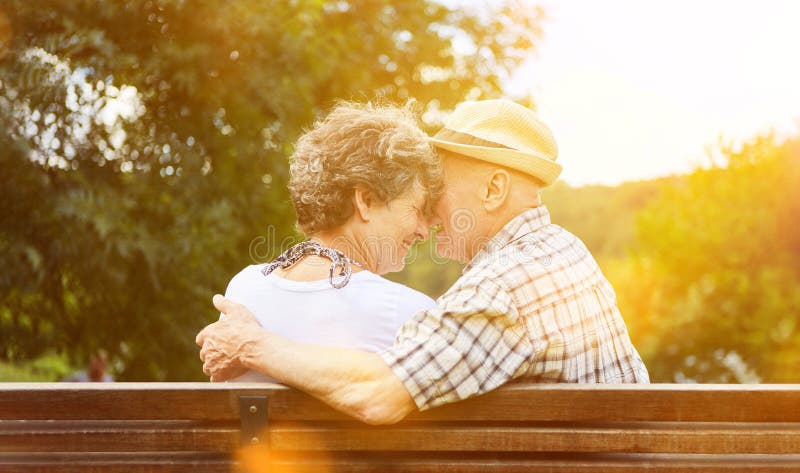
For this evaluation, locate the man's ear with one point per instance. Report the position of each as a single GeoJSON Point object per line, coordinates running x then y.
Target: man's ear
{"type": "Point", "coordinates": [363, 203]}
{"type": "Point", "coordinates": [496, 190]}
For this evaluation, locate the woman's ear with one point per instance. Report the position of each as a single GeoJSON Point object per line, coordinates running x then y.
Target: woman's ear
{"type": "Point", "coordinates": [363, 203]}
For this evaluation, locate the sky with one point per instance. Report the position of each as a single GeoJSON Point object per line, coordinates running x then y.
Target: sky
{"type": "Point", "coordinates": [640, 89]}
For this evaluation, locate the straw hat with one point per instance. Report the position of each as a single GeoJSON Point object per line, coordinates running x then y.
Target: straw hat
{"type": "Point", "coordinates": [501, 132]}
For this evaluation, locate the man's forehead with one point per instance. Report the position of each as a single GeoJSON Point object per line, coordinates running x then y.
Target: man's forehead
{"type": "Point", "coordinates": [452, 161]}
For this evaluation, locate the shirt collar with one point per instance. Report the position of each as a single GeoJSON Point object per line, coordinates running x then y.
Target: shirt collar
{"type": "Point", "coordinates": [527, 222]}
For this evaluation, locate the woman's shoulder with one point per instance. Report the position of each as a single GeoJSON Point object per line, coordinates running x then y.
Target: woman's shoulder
{"type": "Point", "coordinates": [405, 296]}
{"type": "Point", "coordinates": [249, 272]}
{"type": "Point", "coordinates": [246, 276]}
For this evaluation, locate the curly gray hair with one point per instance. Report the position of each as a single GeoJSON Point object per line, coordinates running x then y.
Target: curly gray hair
{"type": "Point", "coordinates": [378, 147]}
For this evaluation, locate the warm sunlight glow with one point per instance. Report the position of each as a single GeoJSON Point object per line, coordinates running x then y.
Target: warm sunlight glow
{"type": "Point", "coordinates": [635, 90]}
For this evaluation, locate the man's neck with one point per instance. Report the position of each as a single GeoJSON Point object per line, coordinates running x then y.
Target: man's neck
{"type": "Point", "coordinates": [495, 225]}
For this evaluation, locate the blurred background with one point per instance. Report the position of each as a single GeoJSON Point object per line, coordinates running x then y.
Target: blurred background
{"type": "Point", "coordinates": [144, 146]}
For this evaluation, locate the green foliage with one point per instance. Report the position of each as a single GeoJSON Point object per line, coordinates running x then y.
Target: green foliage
{"type": "Point", "coordinates": [144, 149]}
{"type": "Point", "coordinates": [714, 286]}
{"type": "Point", "coordinates": [602, 216]}
{"type": "Point", "coordinates": [46, 368]}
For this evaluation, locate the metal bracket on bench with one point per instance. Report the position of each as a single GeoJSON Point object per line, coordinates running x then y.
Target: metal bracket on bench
{"type": "Point", "coordinates": [253, 410]}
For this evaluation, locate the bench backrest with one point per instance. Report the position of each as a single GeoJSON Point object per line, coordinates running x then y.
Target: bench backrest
{"type": "Point", "coordinates": [521, 427]}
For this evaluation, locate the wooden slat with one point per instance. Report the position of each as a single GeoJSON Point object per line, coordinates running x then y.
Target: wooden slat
{"type": "Point", "coordinates": [516, 402]}
{"type": "Point", "coordinates": [120, 401]}
{"type": "Point", "coordinates": [75, 436]}
{"type": "Point", "coordinates": [115, 463]}
{"type": "Point", "coordinates": [544, 437]}
{"type": "Point", "coordinates": [507, 463]}
{"type": "Point", "coordinates": [597, 403]}
{"type": "Point", "coordinates": [118, 436]}
{"type": "Point", "coordinates": [517, 428]}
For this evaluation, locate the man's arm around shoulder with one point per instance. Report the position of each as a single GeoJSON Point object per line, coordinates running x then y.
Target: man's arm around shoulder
{"type": "Point", "coordinates": [355, 382]}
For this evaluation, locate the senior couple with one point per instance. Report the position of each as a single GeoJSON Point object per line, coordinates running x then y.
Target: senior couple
{"type": "Point", "coordinates": [367, 183]}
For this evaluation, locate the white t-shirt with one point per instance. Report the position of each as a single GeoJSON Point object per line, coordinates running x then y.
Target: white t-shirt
{"type": "Point", "coordinates": [365, 314]}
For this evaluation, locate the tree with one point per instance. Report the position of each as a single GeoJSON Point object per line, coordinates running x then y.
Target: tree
{"type": "Point", "coordinates": [144, 148]}
{"type": "Point", "coordinates": [714, 286]}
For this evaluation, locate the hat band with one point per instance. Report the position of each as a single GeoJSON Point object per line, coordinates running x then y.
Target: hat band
{"type": "Point", "coordinates": [446, 134]}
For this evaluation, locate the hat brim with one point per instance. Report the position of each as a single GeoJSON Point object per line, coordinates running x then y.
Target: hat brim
{"type": "Point", "coordinates": [535, 165]}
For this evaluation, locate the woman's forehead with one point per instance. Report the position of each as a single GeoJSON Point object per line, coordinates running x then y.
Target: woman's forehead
{"type": "Point", "coordinates": [417, 193]}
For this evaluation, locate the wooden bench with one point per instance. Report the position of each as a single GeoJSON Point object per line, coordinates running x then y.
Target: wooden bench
{"type": "Point", "coordinates": [201, 427]}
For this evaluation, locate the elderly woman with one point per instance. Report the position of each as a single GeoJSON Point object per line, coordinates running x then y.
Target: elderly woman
{"type": "Point", "coordinates": [363, 181]}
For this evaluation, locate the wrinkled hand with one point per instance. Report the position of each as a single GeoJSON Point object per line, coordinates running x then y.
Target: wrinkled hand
{"type": "Point", "coordinates": [222, 342]}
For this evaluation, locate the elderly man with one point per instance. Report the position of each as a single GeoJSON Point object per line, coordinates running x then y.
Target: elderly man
{"type": "Point", "coordinates": [530, 303]}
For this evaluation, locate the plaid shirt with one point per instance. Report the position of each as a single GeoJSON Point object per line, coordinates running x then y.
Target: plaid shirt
{"type": "Point", "coordinates": [534, 304]}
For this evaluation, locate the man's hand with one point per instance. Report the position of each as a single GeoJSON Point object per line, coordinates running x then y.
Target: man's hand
{"type": "Point", "coordinates": [233, 311]}
{"type": "Point", "coordinates": [223, 342]}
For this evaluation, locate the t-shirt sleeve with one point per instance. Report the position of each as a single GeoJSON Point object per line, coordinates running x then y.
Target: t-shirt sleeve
{"type": "Point", "coordinates": [235, 289]}
{"type": "Point", "coordinates": [473, 341]}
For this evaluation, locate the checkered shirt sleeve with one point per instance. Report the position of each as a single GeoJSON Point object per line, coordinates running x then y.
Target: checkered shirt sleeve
{"type": "Point", "coordinates": [472, 342]}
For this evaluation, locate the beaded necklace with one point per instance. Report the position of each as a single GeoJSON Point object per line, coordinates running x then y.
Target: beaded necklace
{"type": "Point", "coordinates": [341, 262]}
